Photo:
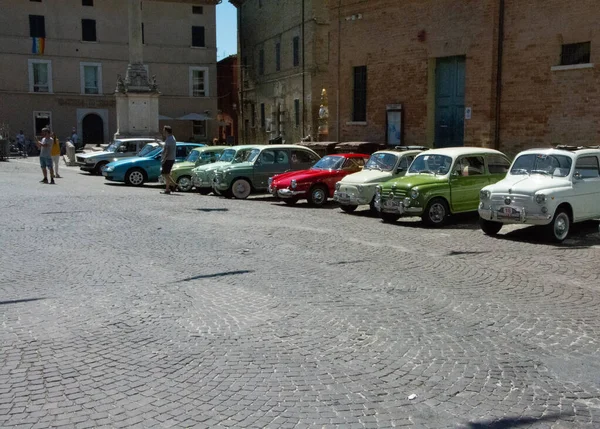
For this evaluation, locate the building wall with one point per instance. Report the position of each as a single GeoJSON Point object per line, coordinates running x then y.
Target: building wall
{"type": "Point", "coordinates": [167, 53]}
{"type": "Point", "coordinates": [261, 28]}
{"type": "Point", "coordinates": [228, 93]}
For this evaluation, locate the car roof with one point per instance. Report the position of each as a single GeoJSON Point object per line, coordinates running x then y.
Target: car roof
{"type": "Point", "coordinates": [400, 152]}
{"type": "Point", "coordinates": [190, 144]}
{"type": "Point", "coordinates": [350, 155]}
{"type": "Point", "coordinates": [201, 148]}
{"type": "Point", "coordinates": [461, 151]}
{"type": "Point", "coordinates": [284, 146]}
{"type": "Point", "coordinates": [566, 152]}
{"type": "Point", "coordinates": [129, 139]}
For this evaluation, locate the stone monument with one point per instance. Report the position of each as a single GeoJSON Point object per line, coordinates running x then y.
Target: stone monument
{"type": "Point", "coordinates": [137, 96]}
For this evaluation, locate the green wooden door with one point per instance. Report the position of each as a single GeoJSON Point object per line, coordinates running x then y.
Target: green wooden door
{"type": "Point", "coordinates": [449, 102]}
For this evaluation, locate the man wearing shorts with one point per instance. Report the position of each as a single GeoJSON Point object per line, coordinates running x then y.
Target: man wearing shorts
{"type": "Point", "coordinates": [168, 159]}
{"type": "Point", "coordinates": [45, 147]}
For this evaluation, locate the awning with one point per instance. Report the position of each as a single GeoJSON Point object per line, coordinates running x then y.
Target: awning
{"type": "Point", "coordinates": [164, 118]}
{"type": "Point", "coordinates": [194, 117]}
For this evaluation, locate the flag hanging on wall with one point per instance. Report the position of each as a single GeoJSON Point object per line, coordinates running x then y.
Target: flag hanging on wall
{"type": "Point", "coordinates": [39, 43]}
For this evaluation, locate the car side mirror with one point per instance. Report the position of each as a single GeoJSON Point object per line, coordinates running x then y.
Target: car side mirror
{"type": "Point", "coordinates": [399, 170]}
{"type": "Point", "coordinates": [258, 162]}
{"type": "Point", "coordinates": [577, 176]}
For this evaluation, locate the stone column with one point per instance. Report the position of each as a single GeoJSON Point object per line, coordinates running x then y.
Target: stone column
{"type": "Point", "coordinates": [136, 78]}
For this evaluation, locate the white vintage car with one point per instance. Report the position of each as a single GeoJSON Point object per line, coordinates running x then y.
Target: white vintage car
{"type": "Point", "coordinates": [359, 188]}
{"type": "Point", "coordinates": [552, 187]}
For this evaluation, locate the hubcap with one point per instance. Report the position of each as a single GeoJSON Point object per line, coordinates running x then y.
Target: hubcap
{"type": "Point", "coordinates": [184, 184]}
{"type": "Point", "coordinates": [437, 212]}
{"type": "Point", "coordinates": [136, 178]}
{"type": "Point", "coordinates": [561, 226]}
{"type": "Point", "coordinates": [318, 196]}
{"type": "Point", "coordinates": [240, 189]}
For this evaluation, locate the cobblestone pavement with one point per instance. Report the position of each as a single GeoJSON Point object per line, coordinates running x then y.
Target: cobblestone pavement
{"type": "Point", "coordinates": [121, 307]}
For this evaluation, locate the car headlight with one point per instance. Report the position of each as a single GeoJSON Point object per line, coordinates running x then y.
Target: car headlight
{"type": "Point", "coordinates": [414, 194]}
{"type": "Point", "coordinates": [270, 181]}
{"type": "Point", "coordinates": [338, 186]}
{"type": "Point", "coordinates": [378, 190]}
{"type": "Point", "coordinates": [540, 198]}
{"type": "Point", "coordinates": [109, 169]}
{"type": "Point", "coordinates": [484, 195]}
{"type": "Point", "coordinates": [89, 161]}
{"type": "Point", "coordinates": [293, 184]}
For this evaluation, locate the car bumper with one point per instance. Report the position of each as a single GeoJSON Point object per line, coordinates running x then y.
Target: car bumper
{"type": "Point", "coordinates": [345, 198]}
{"type": "Point", "coordinates": [198, 183]}
{"type": "Point", "coordinates": [523, 217]}
{"type": "Point", "coordinates": [286, 193]}
{"type": "Point", "coordinates": [397, 207]}
{"type": "Point", "coordinates": [220, 186]}
{"type": "Point", "coordinates": [86, 167]}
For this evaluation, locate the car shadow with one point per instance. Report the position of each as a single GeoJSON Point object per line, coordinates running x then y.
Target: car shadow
{"type": "Point", "coordinates": [582, 236]}
{"type": "Point", "coordinates": [304, 205]}
{"type": "Point", "coordinates": [513, 422]}
{"type": "Point", "coordinates": [20, 301]}
{"type": "Point", "coordinates": [464, 221]}
{"type": "Point", "coordinates": [207, 210]}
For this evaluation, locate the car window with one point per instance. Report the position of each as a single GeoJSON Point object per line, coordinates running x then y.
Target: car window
{"type": "Point", "coordinates": [587, 167]}
{"type": "Point", "coordinates": [470, 166]}
{"type": "Point", "coordinates": [405, 162]}
{"type": "Point", "coordinates": [302, 157]}
{"type": "Point", "coordinates": [498, 164]}
{"type": "Point", "coordinates": [180, 152]}
{"type": "Point", "coordinates": [281, 157]}
{"type": "Point", "coordinates": [267, 157]}
{"type": "Point", "coordinates": [352, 164]}
{"type": "Point", "coordinates": [132, 146]}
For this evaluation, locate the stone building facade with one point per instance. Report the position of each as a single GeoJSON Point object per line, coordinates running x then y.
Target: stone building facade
{"type": "Point", "coordinates": [59, 63]}
{"type": "Point", "coordinates": [504, 74]}
{"type": "Point", "coordinates": [283, 52]}
{"type": "Point", "coordinates": [228, 93]}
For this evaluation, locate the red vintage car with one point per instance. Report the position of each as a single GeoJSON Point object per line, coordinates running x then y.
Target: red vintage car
{"type": "Point", "coordinates": [318, 183]}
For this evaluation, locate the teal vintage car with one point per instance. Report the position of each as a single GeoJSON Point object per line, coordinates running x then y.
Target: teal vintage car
{"type": "Point", "coordinates": [439, 183]}
{"type": "Point", "coordinates": [202, 176]}
{"type": "Point", "coordinates": [240, 180]}
{"type": "Point", "coordinates": [182, 171]}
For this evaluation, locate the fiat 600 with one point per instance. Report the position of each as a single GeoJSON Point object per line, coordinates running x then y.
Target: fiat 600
{"type": "Point", "coordinates": [552, 187]}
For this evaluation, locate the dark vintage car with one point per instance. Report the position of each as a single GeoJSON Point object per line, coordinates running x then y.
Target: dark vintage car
{"type": "Point", "coordinates": [318, 183]}
{"type": "Point", "coordinates": [322, 148]}
{"type": "Point", "coordinates": [359, 147]}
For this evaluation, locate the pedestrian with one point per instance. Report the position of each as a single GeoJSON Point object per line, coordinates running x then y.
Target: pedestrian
{"type": "Point", "coordinates": [168, 159]}
{"type": "Point", "coordinates": [74, 137]}
{"type": "Point", "coordinates": [21, 143]}
{"type": "Point", "coordinates": [55, 153]}
{"type": "Point", "coordinates": [45, 147]}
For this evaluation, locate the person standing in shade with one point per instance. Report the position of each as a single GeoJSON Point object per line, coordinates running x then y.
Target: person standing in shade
{"type": "Point", "coordinates": [45, 147]}
{"type": "Point", "coordinates": [74, 137]}
{"type": "Point", "coordinates": [168, 159]}
{"type": "Point", "coordinates": [55, 153]}
{"type": "Point", "coordinates": [21, 143]}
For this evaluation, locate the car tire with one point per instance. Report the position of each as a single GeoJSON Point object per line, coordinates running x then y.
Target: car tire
{"type": "Point", "coordinates": [560, 226]}
{"type": "Point", "coordinates": [290, 201]}
{"type": "Point", "coordinates": [317, 196]}
{"type": "Point", "coordinates": [372, 207]}
{"type": "Point", "coordinates": [489, 227]}
{"type": "Point", "coordinates": [135, 177]}
{"type": "Point", "coordinates": [436, 213]}
{"type": "Point", "coordinates": [240, 189]}
{"type": "Point", "coordinates": [348, 208]}
{"type": "Point", "coordinates": [184, 184]}
{"type": "Point", "coordinates": [389, 217]}
{"type": "Point", "coordinates": [98, 168]}
{"type": "Point", "coordinates": [205, 191]}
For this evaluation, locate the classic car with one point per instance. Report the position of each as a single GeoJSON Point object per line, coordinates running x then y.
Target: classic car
{"type": "Point", "coordinates": [321, 148]}
{"type": "Point", "coordinates": [551, 187]}
{"type": "Point", "coordinates": [239, 180]}
{"type": "Point", "coordinates": [202, 177]}
{"type": "Point", "coordinates": [359, 147]}
{"type": "Point", "coordinates": [439, 183]}
{"type": "Point", "coordinates": [359, 188]}
{"type": "Point", "coordinates": [318, 183]}
{"type": "Point", "coordinates": [139, 170]}
{"type": "Point", "coordinates": [182, 172]}
{"type": "Point", "coordinates": [125, 148]}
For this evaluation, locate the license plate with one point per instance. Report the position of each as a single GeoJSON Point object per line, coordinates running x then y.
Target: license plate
{"type": "Point", "coordinates": [509, 212]}
{"type": "Point", "coordinates": [343, 195]}
{"type": "Point", "coordinates": [390, 203]}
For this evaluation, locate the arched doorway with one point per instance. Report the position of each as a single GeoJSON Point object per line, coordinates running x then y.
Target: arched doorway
{"type": "Point", "coordinates": [93, 129]}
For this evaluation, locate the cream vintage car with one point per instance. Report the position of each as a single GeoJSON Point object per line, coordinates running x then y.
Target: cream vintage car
{"type": "Point", "coordinates": [359, 188]}
{"type": "Point", "coordinates": [551, 187]}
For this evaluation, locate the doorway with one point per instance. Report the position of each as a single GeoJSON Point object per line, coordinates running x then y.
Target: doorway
{"type": "Point", "coordinates": [41, 120]}
{"type": "Point", "coordinates": [450, 101]}
{"type": "Point", "coordinates": [93, 129]}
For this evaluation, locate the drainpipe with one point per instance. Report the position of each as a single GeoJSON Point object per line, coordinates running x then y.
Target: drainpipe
{"type": "Point", "coordinates": [303, 127]}
{"type": "Point", "coordinates": [499, 74]}
{"type": "Point", "coordinates": [339, 67]}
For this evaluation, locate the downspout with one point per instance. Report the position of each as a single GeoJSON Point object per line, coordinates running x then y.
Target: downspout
{"type": "Point", "coordinates": [303, 80]}
{"type": "Point", "coordinates": [242, 74]}
{"type": "Point", "coordinates": [499, 74]}
{"type": "Point", "coordinates": [339, 67]}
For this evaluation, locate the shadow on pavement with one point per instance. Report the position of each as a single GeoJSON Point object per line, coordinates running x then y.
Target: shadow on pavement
{"type": "Point", "coordinates": [582, 236]}
{"type": "Point", "coordinates": [467, 221]}
{"type": "Point", "coordinates": [304, 205]}
{"type": "Point", "coordinates": [213, 210]}
{"type": "Point", "coordinates": [210, 276]}
{"type": "Point", "coordinates": [515, 422]}
{"type": "Point", "coordinates": [19, 301]}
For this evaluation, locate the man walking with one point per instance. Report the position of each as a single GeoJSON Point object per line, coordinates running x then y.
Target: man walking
{"type": "Point", "coordinates": [45, 147]}
{"type": "Point", "coordinates": [55, 152]}
{"type": "Point", "coordinates": [168, 159]}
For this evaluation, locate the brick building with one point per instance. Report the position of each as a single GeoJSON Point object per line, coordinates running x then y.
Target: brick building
{"type": "Point", "coordinates": [59, 62]}
{"type": "Point", "coordinates": [228, 93]}
{"type": "Point", "coordinates": [283, 51]}
{"type": "Point", "coordinates": [496, 73]}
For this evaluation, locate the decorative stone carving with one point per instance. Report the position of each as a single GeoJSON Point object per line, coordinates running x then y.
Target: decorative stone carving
{"type": "Point", "coordinates": [120, 85]}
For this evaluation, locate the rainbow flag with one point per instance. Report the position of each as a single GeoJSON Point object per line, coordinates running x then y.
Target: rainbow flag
{"type": "Point", "coordinates": [39, 43]}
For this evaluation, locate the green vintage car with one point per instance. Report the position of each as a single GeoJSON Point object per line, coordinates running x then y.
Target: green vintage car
{"type": "Point", "coordinates": [239, 180]}
{"type": "Point", "coordinates": [202, 177]}
{"type": "Point", "coordinates": [182, 172]}
{"type": "Point", "coordinates": [439, 183]}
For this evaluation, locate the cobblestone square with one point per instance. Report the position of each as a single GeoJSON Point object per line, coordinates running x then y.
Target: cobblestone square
{"type": "Point", "coordinates": [121, 307]}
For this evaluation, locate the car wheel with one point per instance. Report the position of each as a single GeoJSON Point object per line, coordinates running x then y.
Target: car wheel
{"type": "Point", "coordinates": [389, 217]}
{"type": "Point", "coordinates": [184, 184]}
{"type": "Point", "coordinates": [290, 201]}
{"type": "Point", "coordinates": [135, 177]}
{"type": "Point", "coordinates": [560, 225]}
{"type": "Point", "coordinates": [241, 189]}
{"type": "Point", "coordinates": [372, 207]}
{"type": "Point", "coordinates": [205, 191]}
{"type": "Point", "coordinates": [489, 228]}
{"type": "Point", "coordinates": [436, 213]}
{"type": "Point", "coordinates": [348, 209]}
{"type": "Point", "coordinates": [98, 168]}
{"type": "Point", "coordinates": [317, 196]}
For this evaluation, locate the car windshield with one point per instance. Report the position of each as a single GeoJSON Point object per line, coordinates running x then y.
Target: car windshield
{"type": "Point", "coordinates": [538, 163]}
{"type": "Point", "coordinates": [114, 146]}
{"type": "Point", "coordinates": [193, 156]}
{"type": "Point", "coordinates": [329, 163]}
{"type": "Point", "coordinates": [381, 161]}
{"type": "Point", "coordinates": [155, 152]}
{"type": "Point", "coordinates": [147, 149]}
{"type": "Point", "coordinates": [228, 155]}
{"type": "Point", "coordinates": [431, 164]}
{"type": "Point", "coordinates": [253, 155]}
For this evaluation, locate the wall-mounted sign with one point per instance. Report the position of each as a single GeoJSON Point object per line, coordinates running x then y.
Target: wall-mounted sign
{"type": "Point", "coordinates": [468, 112]}
{"type": "Point", "coordinates": [394, 124]}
